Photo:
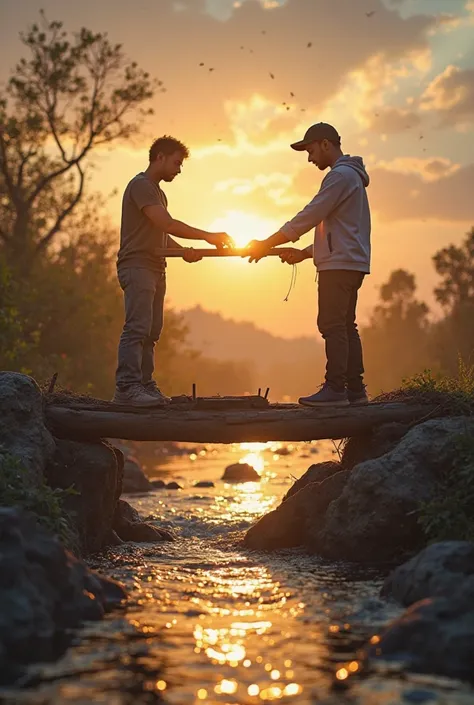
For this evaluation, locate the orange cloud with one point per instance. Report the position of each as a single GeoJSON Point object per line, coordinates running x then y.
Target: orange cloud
{"type": "Point", "coordinates": [451, 95]}
{"type": "Point", "coordinates": [427, 169]}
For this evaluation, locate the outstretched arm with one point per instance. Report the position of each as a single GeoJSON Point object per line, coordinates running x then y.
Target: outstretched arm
{"type": "Point", "coordinates": [332, 191]}
{"type": "Point", "coordinates": [160, 217]}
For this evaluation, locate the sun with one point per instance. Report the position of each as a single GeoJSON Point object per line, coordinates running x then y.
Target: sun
{"type": "Point", "coordinates": [244, 227]}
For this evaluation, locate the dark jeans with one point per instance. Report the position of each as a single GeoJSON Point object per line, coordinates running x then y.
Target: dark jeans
{"type": "Point", "coordinates": [337, 301]}
{"type": "Point", "coordinates": [144, 294]}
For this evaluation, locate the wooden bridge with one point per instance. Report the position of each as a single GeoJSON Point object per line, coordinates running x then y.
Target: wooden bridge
{"type": "Point", "coordinates": [225, 420]}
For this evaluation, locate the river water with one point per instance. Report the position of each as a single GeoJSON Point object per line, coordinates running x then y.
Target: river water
{"type": "Point", "coordinates": [211, 623]}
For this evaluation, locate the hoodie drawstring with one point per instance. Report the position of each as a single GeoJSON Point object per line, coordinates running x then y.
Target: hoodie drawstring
{"type": "Point", "coordinates": [294, 272]}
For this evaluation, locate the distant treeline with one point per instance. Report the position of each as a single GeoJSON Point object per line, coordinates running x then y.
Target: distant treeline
{"type": "Point", "coordinates": [402, 339]}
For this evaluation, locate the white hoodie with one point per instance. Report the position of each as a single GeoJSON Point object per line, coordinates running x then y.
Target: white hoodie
{"type": "Point", "coordinates": [340, 215]}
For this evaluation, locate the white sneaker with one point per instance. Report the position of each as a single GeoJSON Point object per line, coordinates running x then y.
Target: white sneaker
{"type": "Point", "coordinates": [153, 390]}
{"type": "Point", "coordinates": [136, 395]}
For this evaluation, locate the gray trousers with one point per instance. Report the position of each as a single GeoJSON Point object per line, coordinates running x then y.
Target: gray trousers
{"type": "Point", "coordinates": [144, 294]}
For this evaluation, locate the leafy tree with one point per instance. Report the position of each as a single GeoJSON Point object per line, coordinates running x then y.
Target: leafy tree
{"type": "Point", "coordinates": [453, 335]}
{"type": "Point", "coordinates": [396, 341]}
{"type": "Point", "coordinates": [13, 346]}
{"type": "Point", "coordinates": [71, 95]}
{"type": "Point", "coordinates": [456, 267]}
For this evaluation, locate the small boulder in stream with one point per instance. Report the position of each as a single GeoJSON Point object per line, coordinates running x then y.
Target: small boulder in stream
{"type": "Point", "coordinates": [240, 472]}
{"type": "Point", "coordinates": [129, 526]}
{"type": "Point", "coordinates": [173, 486]}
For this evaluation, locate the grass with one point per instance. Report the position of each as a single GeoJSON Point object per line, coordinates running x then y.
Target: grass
{"type": "Point", "coordinates": [453, 395]}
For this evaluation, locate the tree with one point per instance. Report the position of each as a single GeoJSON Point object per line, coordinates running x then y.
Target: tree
{"type": "Point", "coordinates": [396, 341]}
{"type": "Point", "coordinates": [453, 336]}
{"type": "Point", "coordinates": [70, 96]}
{"type": "Point", "coordinates": [456, 267]}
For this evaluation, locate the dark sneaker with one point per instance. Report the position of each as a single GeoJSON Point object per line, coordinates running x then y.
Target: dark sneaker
{"type": "Point", "coordinates": [325, 397]}
{"type": "Point", "coordinates": [359, 398]}
{"type": "Point", "coordinates": [136, 395]}
{"type": "Point", "coordinates": [152, 389]}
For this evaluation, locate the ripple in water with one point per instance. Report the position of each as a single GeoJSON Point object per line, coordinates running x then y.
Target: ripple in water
{"type": "Point", "coordinates": [211, 623]}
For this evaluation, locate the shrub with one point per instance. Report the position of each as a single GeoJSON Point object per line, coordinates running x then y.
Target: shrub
{"type": "Point", "coordinates": [450, 514]}
{"type": "Point", "coordinates": [41, 500]}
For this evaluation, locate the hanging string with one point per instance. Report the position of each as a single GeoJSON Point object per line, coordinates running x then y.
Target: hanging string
{"type": "Point", "coordinates": [292, 282]}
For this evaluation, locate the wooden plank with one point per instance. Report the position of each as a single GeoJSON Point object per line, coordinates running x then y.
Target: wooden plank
{"type": "Point", "coordinates": [220, 252]}
{"type": "Point", "coordinates": [277, 423]}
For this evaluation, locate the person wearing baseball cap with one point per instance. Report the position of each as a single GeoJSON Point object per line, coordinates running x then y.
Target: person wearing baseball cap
{"type": "Point", "coordinates": [340, 216]}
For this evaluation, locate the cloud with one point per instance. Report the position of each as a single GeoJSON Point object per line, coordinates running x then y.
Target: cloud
{"type": "Point", "coordinates": [451, 95]}
{"type": "Point", "coordinates": [428, 170]}
{"type": "Point", "coordinates": [172, 41]}
{"type": "Point", "coordinates": [391, 120]}
{"type": "Point", "coordinates": [405, 196]}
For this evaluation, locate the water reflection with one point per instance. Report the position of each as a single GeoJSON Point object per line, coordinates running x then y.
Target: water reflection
{"type": "Point", "coordinates": [209, 623]}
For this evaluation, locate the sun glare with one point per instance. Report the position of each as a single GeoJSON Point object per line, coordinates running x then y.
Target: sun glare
{"type": "Point", "coordinates": [244, 227]}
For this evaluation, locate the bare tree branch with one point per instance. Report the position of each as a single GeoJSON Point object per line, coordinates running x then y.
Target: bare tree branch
{"type": "Point", "coordinates": [5, 170]}
{"type": "Point", "coordinates": [64, 214]}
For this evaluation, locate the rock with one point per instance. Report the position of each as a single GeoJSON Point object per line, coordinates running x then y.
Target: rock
{"type": "Point", "coordinates": [433, 636]}
{"type": "Point", "coordinates": [315, 473]}
{"type": "Point", "coordinates": [44, 592]}
{"type": "Point", "coordinates": [129, 526]}
{"type": "Point", "coordinates": [158, 484]}
{"type": "Point", "coordinates": [240, 472]}
{"type": "Point", "coordinates": [113, 539]}
{"type": "Point", "coordinates": [299, 518]}
{"type": "Point", "coordinates": [204, 483]}
{"type": "Point", "coordinates": [437, 571]}
{"type": "Point", "coordinates": [283, 451]}
{"type": "Point", "coordinates": [94, 472]}
{"type": "Point", "coordinates": [145, 533]}
{"type": "Point", "coordinates": [134, 479]}
{"type": "Point", "coordinates": [173, 486]}
{"type": "Point", "coordinates": [23, 433]}
{"type": "Point", "coordinates": [372, 445]}
{"type": "Point", "coordinates": [375, 518]}
{"type": "Point", "coordinates": [125, 512]}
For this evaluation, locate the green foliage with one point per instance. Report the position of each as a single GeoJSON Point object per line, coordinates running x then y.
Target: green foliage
{"type": "Point", "coordinates": [450, 514]}
{"type": "Point", "coordinates": [17, 490]}
{"type": "Point", "coordinates": [12, 341]}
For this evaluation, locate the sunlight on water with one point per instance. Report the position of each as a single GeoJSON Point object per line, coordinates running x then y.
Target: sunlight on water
{"type": "Point", "coordinates": [249, 500]}
{"type": "Point", "coordinates": [255, 460]}
{"type": "Point", "coordinates": [219, 625]}
{"type": "Point", "coordinates": [255, 447]}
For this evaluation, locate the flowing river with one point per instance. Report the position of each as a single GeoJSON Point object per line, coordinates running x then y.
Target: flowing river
{"type": "Point", "coordinates": [209, 622]}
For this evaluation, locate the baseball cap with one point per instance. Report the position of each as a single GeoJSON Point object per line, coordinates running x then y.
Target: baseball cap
{"type": "Point", "coordinates": [317, 133]}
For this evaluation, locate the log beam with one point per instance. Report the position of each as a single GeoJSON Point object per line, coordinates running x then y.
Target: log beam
{"type": "Point", "coordinates": [278, 422]}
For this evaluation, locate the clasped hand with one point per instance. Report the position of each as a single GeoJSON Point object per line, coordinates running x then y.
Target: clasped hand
{"type": "Point", "coordinates": [219, 240]}
{"type": "Point", "coordinates": [257, 249]}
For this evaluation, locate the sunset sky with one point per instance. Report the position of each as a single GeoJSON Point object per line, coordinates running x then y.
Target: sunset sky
{"type": "Point", "coordinates": [396, 77]}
